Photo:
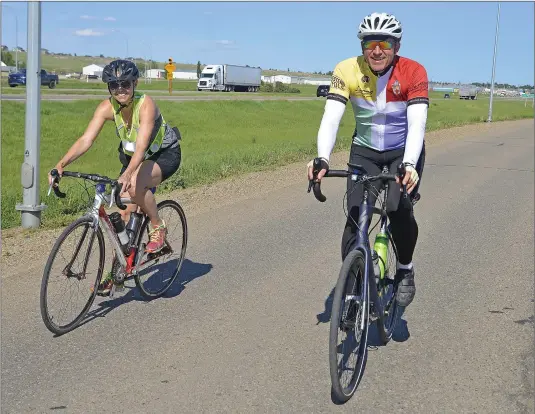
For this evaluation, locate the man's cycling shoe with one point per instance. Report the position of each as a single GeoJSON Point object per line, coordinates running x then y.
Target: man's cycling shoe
{"type": "Point", "coordinates": [406, 287]}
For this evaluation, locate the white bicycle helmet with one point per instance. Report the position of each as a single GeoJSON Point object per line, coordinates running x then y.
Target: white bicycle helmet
{"type": "Point", "coordinates": [380, 24]}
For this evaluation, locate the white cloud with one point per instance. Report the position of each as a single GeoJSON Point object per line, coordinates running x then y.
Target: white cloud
{"type": "Point", "coordinates": [86, 17]}
{"type": "Point", "coordinates": [226, 44]}
{"type": "Point", "coordinates": [88, 32]}
{"type": "Point", "coordinates": [110, 19]}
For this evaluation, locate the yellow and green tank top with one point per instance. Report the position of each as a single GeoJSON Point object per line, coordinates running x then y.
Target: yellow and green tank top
{"type": "Point", "coordinates": [128, 138]}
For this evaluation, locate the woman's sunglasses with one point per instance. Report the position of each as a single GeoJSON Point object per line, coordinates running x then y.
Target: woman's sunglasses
{"type": "Point", "coordinates": [121, 84]}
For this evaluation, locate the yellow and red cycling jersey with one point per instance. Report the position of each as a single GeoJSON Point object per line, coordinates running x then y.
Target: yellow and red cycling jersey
{"type": "Point", "coordinates": [380, 103]}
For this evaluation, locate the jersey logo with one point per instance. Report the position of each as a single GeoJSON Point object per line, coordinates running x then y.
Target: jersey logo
{"type": "Point", "coordinates": [396, 88]}
{"type": "Point", "coordinates": [337, 83]}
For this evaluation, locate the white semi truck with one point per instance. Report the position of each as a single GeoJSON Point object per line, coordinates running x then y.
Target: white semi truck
{"type": "Point", "coordinates": [468, 92]}
{"type": "Point", "coordinates": [230, 78]}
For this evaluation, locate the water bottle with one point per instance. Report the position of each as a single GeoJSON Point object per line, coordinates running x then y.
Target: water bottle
{"type": "Point", "coordinates": [133, 224]}
{"type": "Point", "coordinates": [118, 223]}
{"type": "Point", "coordinates": [381, 247]}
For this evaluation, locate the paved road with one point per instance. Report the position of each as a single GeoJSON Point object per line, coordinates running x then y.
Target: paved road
{"type": "Point", "coordinates": [248, 331]}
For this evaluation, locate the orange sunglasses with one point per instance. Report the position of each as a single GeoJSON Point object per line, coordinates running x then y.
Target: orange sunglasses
{"type": "Point", "coordinates": [383, 44]}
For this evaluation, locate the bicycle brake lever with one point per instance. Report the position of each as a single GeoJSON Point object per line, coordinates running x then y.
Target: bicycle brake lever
{"type": "Point", "coordinates": [401, 174]}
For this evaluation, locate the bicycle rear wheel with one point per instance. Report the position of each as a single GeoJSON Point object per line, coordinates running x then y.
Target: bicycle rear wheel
{"type": "Point", "coordinates": [77, 273]}
{"type": "Point", "coordinates": [350, 312]}
{"type": "Point", "coordinates": [386, 323]}
{"type": "Point", "coordinates": [158, 271]}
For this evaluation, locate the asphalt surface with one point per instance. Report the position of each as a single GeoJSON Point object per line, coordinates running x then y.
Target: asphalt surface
{"type": "Point", "coordinates": [247, 331]}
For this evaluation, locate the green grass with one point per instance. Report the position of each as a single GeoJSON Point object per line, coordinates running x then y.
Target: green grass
{"type": "Point", "coordinates": [185, 85]}
{"type": "Point", "coordinates": [155, 85]}
{"type": "Point", "coordinates": [221, 139]}
{"type": "Point", "coordinates": [69, 64]}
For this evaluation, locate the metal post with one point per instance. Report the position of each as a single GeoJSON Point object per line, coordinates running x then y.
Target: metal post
{"type": "Point", "coordinates": [489, 119]}
{"type": "Point", "coordinates": [31, 211]}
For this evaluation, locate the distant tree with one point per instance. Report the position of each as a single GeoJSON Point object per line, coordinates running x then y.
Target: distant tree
{"type": "Point", "coordinates": [7, 58]}
{"type": "Point", "coordinates": [199, 69]}
{"type": "Point", "coordinates": [22, 64]}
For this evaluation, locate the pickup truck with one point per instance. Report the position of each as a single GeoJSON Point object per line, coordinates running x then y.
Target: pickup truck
{"type": "Point", "coordinates": [19, 78]}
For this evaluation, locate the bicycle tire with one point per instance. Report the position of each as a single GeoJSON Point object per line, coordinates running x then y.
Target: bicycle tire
{"type": "Point", "coordinates": [45, 314]}
{"type": "Point", "coordinates": [341, 393]}
{"type": "Point", "coordinates": [386, 330]}
{"type": "Point", "coordinates": [162, 204]}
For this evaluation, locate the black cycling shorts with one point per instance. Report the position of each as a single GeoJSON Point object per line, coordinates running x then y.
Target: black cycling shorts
{"type": "Point", "coordinates": [167, 159]}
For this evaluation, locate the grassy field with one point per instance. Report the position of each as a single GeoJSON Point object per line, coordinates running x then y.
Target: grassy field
{"type": "Point", "coordinates": [220, 139]}
{"type": "Point", "coordinates": [185, 85]}
{"type": "Point", "coordinates": [155, 85]}
{"type": "Point", "coordinates": [70, 64]}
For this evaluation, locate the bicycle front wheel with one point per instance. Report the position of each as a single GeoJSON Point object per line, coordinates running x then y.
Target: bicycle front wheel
{"type": "Point", "coordinates": [70, 272]}
{"type": "Point", "coordinates": [350, 311]}
{"type": "Point", "coordinates": [158, 271]}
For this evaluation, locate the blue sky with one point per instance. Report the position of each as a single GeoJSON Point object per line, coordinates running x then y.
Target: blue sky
{"type": "Point", "coordinates": [453, 40]}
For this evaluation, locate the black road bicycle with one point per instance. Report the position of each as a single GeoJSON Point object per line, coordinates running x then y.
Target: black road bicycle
{"type": "Point", "coordinates": [365, 291]}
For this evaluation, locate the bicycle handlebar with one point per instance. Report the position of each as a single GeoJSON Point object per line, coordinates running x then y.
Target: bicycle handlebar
{"type": "Point", "coordinates": [316, 186]}
{"type": "Point", "coordinates": [116, 186]}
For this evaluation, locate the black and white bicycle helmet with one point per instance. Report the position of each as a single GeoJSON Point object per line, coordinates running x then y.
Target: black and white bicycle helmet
{"type": "Point", "coordinates": [380, 24]}
{"type": "Point", "coordinates": [120, 70]}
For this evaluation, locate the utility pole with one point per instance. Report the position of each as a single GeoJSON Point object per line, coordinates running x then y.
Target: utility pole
{"type": "Point", "coordinates": [489, 119]}
{"type": "Point", "coordinates": [31, 210]}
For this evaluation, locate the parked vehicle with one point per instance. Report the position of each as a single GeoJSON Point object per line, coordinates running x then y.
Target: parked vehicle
{"type": "Point", "coordinates": [230, 78]}
{"type": "Point", "coordinates": [19, 78]}
{"type": "Point", "coordinates": [323, 90]}
{"type": "Point", "coordinates": [468, 92]}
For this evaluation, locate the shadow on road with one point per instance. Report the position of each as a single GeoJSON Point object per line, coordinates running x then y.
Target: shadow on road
{"type": "Point", "coordinates": [190, 271]}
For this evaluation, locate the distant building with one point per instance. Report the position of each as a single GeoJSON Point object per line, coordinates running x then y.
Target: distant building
{"type": "Point", "coordinates": [162, 74]}
{"type": "Point", "coordinates": [277, 78]}
{"type": "Point", "coordinates": [155, 73]}
{"type": "Point", "coordinates": [5, 68]}
{"type": "Point", "coordinates": [93, 70]}
{"type": "Point", "coordinates": [185, 74]}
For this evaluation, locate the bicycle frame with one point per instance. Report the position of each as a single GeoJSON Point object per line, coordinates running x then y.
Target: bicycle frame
{"type": "Point", "coordinates": [100, 218]}
{"type": "Point", "coordinates": [362, 241]}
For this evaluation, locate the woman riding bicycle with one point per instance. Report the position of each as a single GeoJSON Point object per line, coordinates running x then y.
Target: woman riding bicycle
{"type": "Point", "coordinates": [149, 149]}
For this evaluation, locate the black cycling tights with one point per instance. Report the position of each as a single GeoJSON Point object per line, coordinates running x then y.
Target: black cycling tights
{"type": "Point", "coordinates": [400, 213]}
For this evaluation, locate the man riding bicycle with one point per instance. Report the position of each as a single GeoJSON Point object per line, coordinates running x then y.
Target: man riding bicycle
{"type": "Point", "coordinates": [389, 95]}
{"type": "Point", "coordinates": [149, 149]}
